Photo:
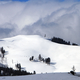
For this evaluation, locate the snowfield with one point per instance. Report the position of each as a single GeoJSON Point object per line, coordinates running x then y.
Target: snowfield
{"type": "Point", "coordinates": [20, 48]}
{"type": "Point", "coordinates": [49, 76]}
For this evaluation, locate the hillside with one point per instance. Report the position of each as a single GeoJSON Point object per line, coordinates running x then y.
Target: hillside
{"type": "Point", "coordinates": [20, 48]}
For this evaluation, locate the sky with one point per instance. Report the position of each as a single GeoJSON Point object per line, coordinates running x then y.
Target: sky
{"type": "Point", "coordinates": [21, 0]}
{"type": "Point", "coordinates": [59, 18]}
{"type": "Point", "coordinates": [28, 0]}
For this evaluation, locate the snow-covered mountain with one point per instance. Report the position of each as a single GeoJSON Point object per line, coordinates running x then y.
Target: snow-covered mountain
{"type": "Point", "coordinates": [20, 48]}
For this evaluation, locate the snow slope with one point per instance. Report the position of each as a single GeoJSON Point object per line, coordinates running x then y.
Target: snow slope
{"type": "Point", "coordinates": [20, 48]}
{"type": "Point", "coordinates": [49, 76]}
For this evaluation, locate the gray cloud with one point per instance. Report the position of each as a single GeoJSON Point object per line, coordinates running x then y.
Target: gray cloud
{"type": "Point", "coordinates": [60, 19]}
{"type": "Point", "coordinates": [63, 23]}
{"type": "Point", "coordinates": [8, 30]}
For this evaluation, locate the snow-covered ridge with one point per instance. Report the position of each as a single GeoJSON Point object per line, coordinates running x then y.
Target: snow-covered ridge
{"type": "Point", "coordinates": [20, 48]}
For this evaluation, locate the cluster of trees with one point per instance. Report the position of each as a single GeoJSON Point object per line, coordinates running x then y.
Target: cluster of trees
{"type": "Point", "coordinates": [31, 58]}
{"type": "Point", "coordinates": [61, 41]}
{"type": "Point", "coordinates": [11, 72]}
{"type": "Point", "coordinates": [46, 60]}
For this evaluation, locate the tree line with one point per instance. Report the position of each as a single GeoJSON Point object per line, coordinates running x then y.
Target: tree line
{"type": "Point", "coordinates": [61, 41]}
{"type": "Point", "coordinates": [11, 72]}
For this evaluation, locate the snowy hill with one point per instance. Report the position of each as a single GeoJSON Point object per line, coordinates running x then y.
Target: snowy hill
{"type": "Point", "coordinates": [20, 48]}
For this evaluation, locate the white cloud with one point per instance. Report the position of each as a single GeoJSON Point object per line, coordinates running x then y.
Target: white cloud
{"type": "Point", "coordinates": [61, 19]}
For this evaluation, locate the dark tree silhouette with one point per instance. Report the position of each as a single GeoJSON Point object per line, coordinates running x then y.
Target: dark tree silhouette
{"type": "Point", "coordinates": [5, 71]}
{"type": "Point", "coordinates": [34, 72]}
{"type": "Point", "coordinates": [47, 60]}
{"type": "Point", "coordinates": [18, 66]}
{"type": "Point", "coordinates": [39, 57]}
{"type": "Point", "coordinates": [31, 58]}
{"type": "Point", "coordinates": [59, 40]}
{"type": "Point", "coordinates": [74, 44]}
{"type": "Point", "coordinates": [2, 51]}
{"type": "Point", "coordinates": [72, 72]}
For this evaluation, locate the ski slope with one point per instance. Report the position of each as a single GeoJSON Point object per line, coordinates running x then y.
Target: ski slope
{"type": "Point", "coordinates": [20, 48]}
{"type": "Point", "coordinates": [49, 76]}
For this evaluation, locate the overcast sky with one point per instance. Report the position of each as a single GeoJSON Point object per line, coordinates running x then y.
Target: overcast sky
{"type": "Point", "coordinates": [59, 18]}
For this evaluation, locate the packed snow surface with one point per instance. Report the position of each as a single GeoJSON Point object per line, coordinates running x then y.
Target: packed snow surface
{"type": "Point", "coordinates": [20, 48]}
{"type": "Point", "coordinates": [49, 76]}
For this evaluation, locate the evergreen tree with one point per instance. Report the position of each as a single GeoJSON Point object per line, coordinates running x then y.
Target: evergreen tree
{"type": "Point", "coordinates": [2, 51]}
{"type": "Point", "coordinates": [39, 57]}
{"type": "Point", "coordinates": [47, 60]}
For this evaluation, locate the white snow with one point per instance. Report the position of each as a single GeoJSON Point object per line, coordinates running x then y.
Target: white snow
{"type": "Point", "coordinates": [49, 76]}
{"type": "Point", "coordinates": [20, 48]}
{"type": "Point", "coordinates": [63, 57]}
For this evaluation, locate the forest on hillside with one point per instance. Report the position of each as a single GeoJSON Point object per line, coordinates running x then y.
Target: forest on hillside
{"type": "Point", "coordinates": [61, 41]}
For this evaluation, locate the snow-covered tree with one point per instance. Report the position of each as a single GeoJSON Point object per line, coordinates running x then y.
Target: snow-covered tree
{"type": "Point", "coordinates": [39, 57]}
{"type": "Point", "coordinates": [73, 69]}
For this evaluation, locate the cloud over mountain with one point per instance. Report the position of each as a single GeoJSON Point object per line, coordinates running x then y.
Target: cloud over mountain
{"type": "Point", "coordinates": [50, 17]}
